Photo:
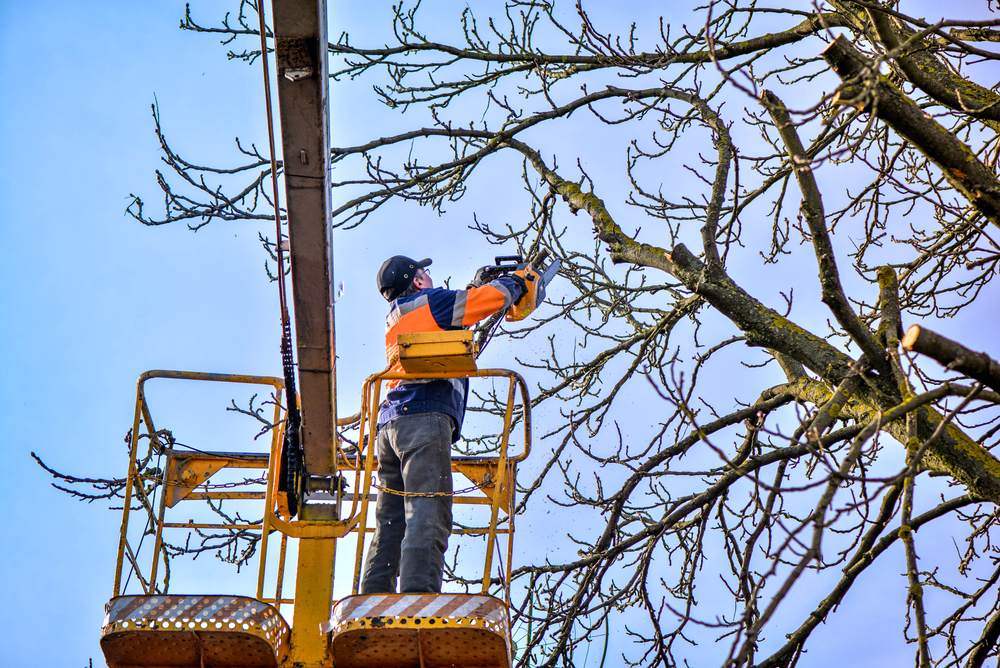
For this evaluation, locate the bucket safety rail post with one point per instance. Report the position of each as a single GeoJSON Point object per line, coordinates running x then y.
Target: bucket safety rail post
{"type": "Point", "coordinates": [502, 483]}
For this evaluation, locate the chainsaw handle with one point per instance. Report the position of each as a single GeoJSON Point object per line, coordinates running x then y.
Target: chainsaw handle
{"type": "Point", "coordinates": [512, 261]}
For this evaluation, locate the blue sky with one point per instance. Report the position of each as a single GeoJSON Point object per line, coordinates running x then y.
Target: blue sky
{"type": "Point", "coordinates": [92, 298]}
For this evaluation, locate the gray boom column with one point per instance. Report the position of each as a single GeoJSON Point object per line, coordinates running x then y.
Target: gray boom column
{"type": "Point", "coordinates": [302, 63]}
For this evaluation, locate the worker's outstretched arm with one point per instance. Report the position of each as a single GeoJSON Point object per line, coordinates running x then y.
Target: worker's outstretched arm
{"type": "Point", "coordinates": [474, 304]}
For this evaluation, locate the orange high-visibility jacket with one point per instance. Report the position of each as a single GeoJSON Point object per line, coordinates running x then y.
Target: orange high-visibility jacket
{"type": "Point", "coordinates": [436, 310]}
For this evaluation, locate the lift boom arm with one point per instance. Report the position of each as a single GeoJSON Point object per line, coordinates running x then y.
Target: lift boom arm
{"type": "Point", "coordinates": [300, 38]}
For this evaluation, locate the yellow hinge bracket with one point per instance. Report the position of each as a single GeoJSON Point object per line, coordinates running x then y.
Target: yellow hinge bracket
{"type": "Point", "coordinates": [483, 475]}
{"type": "Point", "coordinates": [184, 474]}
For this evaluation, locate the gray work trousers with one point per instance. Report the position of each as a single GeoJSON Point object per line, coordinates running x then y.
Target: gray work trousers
{"type": "Point", "coordinates": [411, 534]}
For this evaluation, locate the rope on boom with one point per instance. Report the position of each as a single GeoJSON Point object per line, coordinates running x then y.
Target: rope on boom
{"type": "Point", "coordinates": [290, 473]}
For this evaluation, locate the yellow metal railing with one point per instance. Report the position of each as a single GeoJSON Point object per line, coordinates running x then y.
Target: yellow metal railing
{"type": "Point", "coordinates": [494, 476]}
{"type": "Point", "coordinates": [185, 472]}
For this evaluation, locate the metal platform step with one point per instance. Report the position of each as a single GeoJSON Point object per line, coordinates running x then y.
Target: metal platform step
{"type": "Point", "coordinates": [174, 631]}
{"type": "Point", "coordinates": [420, 631]}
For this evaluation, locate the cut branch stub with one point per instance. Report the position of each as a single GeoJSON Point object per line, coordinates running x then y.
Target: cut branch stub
{"type": "Point", "coordinates": [953, 355]}
{"type": "Point", "coordinates": [890, 328]}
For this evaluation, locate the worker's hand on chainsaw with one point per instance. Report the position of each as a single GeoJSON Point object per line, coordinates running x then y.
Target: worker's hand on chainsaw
{"type": "Point", "coordinates": [521, 283]}
{"type": "Point", "coordinates": [483, 276]}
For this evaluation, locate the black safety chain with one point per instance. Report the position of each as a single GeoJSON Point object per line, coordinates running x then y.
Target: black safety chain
{"type": "Point", "coordinates": [292, 464]}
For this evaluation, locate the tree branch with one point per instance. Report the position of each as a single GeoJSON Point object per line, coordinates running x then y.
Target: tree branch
{"type": "Point", "coordinates": [953, 355]}
{"type": "Point", "coordinates": [812, 210]}
{"type": "Point", "coordinates": [865, 88]}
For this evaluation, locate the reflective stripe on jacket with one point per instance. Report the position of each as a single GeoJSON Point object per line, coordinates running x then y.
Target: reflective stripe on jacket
{"type": "Point", "coordinates": [437, 310]}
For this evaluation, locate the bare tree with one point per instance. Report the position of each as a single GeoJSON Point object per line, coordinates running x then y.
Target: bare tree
{"type": "Point", "coordinates": [752, 163]}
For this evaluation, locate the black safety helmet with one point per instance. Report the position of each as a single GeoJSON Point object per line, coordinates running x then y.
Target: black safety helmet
{"type": "Point", "coordinates": [397, 273]}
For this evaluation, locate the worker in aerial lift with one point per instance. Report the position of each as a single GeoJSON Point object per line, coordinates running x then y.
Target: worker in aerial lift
{"type": "Point", "coordinates": [417, 424]}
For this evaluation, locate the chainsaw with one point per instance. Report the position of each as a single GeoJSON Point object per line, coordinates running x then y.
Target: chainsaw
{"type": "Point", "coordinates": [536, 275]}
